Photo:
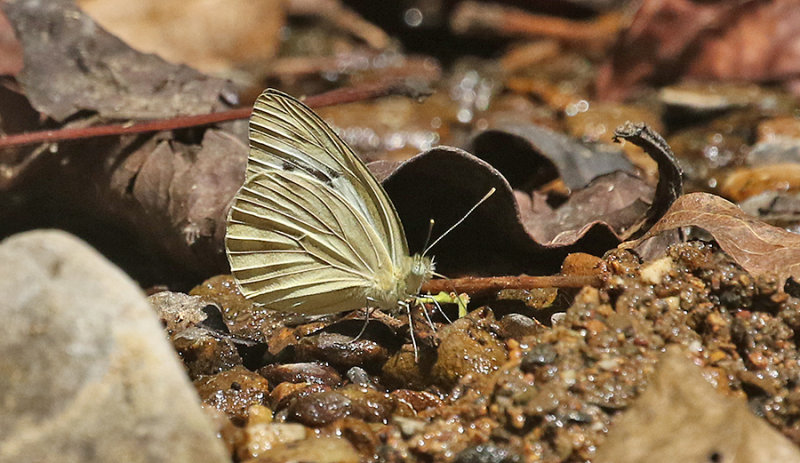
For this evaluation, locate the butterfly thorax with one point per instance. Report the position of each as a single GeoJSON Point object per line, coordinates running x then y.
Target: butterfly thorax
{"type": "Point", "coordinates": [406, 281]}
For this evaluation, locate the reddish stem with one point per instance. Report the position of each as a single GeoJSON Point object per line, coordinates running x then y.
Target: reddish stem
{"type": "Point", "coordinates": [339, 96]}
{"type": "Point", "coordinates": [485, 285]}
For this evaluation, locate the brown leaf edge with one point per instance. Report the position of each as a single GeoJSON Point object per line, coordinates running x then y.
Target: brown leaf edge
{"type": "Point", "coordinates": [758, 247]}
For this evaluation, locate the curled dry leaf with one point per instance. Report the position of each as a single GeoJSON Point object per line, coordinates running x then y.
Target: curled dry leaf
{"type": "Point", "coordinates": [516, 230]}
{"type": "Point", "coordinates": [533, 155]}
{"type": "Point", "coordinates": [758, 247]}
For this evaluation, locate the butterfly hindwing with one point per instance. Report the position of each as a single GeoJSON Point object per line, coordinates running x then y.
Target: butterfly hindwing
{"type": "Point", "coordinates": [290, 238]}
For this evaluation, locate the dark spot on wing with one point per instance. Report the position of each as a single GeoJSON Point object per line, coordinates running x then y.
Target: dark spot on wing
{"type": "Point", "coordinates": [326, 176]}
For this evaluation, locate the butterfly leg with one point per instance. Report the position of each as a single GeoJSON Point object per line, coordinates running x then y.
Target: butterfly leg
{"type": "Point", "coordinates": [411, 330]}
{"type": "Point", "coordinates": [427, 315]}
{"type": "Point", "coordinates": [368, 311]}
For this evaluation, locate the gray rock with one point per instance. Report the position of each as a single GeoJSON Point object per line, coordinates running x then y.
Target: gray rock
{"type": "Point", "coordinates": [87, 372]}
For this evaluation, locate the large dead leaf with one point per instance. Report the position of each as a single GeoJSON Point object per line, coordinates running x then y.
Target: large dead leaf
{"type": "Point", "coordinates": [73, 65]}
{"type": "Point", "coordinates": [680, 417]}
{"type": "Point", "coordinates": [758, 247]}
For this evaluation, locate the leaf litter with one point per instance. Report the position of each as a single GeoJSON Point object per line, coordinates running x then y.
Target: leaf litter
{"type": "Point", "coordinates": [523, 383]}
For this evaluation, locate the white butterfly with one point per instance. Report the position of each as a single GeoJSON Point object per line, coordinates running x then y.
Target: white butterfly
{"type": "Point", "coordinates": [311, 230]}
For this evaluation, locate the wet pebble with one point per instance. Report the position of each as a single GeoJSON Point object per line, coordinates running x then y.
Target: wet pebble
{"type": "Point", "coordinates": [233, 392]}
{"type": "Point", "coordinates": [341, 350]}
{"type": "Point", "coordinates": [178, 311]}
{"type": "Point", "coordinates": [203, 351]}
{"type": "Point", "coordinates": [262, 437]}
{"type": "Point", "coordinates": [518, 326]}
{"type": "Point", "coordinates": [414, 401]}
{"type": "Point", "coordinates": [319, 409]}
{"type": "Point", "coordinates": [318, 450]}
{"type": "Point", "coordinates": [467, 346]}
{"type": "Point", "coordinates": [360, 377]}
{"type": "Point", "coordinates": [309, 372]}
{"type": "Point", "coordinates": [284, 393]}
{"type": "Point", "coordinates": [540, 354]}
{"type": "Point", "coordinates": [487, 453]}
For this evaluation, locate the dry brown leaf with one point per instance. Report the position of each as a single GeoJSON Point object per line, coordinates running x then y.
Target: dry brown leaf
{"type": "Point", "coordinates": [758, 247]}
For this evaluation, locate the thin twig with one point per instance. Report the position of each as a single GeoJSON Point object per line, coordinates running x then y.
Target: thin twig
{"type": "Point", "coordinates": [485, 285]}
{"type": "Point", "coordinates": [334, 97]}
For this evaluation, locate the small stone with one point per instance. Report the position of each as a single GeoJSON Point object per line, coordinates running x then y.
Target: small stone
{"type": "Point", "coordinates": [487, 453]}
{"type": "Point", "coordinates": [540, 354]}
{"type": "Point", "coordinates": [654, 272]}
{"type": "Point", "coordinates": [416, 401]}
{"type": "Point", "coordinates": [185, 317]}
{"type": "Point", "coordinates": [318, 450]}
{"type": "Point", "coordinates": [309, 372]}
{"type": "Point", "coordinates": [341, 350]}
{"type": "Point", "coordinates": [262, 437]}
{"type": "Point", "coordinates": [517, 326]}
{"type": "Point", "coordinates": [467, 346]}
{"type": "Point", "coordinates": [360, 377]}
{"type": "Point", "coordinates": [178, 311]}
{"type": "Point", "coordinates": [321, 408]}
{"type": "Point", "coordinates": [284, 394]}
{"type": "Point", "coordinates": [408, 426]}
{"type": "Point", "coordinates": [233, 391]}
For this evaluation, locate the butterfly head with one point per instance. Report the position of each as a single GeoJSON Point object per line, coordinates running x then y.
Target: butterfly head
{"type": "Point", "coordinates": [405, 282]}
{"type": "Point", "coordinates": [420, 271]}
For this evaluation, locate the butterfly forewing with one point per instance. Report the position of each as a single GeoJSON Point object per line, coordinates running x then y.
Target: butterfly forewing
{"type": "Point", "coordinates": [311, 228]}
{"type": "Point", "coordinates": [285, 134]}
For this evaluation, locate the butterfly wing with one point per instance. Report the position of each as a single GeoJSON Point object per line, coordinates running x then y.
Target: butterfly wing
{"type": "Point", "coordinates": [285, 134]}
{"type": "Point", "coordinates": [311, 229]}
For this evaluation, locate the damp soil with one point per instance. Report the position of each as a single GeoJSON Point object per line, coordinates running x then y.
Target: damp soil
{"type": "Point", "coordinates": [510, 381]}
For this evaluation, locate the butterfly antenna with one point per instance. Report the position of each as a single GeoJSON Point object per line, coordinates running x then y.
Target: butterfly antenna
{"type": "Point", "coordinates": [472, 209]}
{"type": "Point", "coordinates": [428, 236]}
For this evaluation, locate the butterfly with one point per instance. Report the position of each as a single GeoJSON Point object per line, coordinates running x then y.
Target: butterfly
{"type": "Point", "coordinates": [311, 230]}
